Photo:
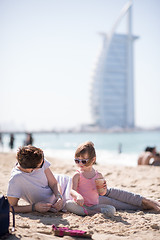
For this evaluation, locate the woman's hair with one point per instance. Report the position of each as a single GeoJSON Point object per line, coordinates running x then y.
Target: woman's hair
{"type": "Point", "coordinates": [29, 156]}
{"type": "Point", "coordinates": [87, 147]}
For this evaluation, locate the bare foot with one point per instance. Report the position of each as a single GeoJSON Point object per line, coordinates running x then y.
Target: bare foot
{"type": "Point", "coordinates": [150, 204]}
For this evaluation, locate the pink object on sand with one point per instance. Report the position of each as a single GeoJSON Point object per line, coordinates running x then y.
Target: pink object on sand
{"type": "Point", "coordinates": [62, 231]}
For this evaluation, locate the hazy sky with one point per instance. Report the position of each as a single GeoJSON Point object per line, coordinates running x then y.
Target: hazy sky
{"type": "Point", "coordinates": [47, 53]}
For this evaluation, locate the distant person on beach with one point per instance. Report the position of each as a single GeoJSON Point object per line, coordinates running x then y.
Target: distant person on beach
{"type": "Point", "coordinates": [156, 161]}
{"type": "Point", "coordinates": [120, 148]}
{"type": "Point", "coordinates": [146, 156]}
{"type": "Point", "coordinates": [84, 191]}
{"type": "Point", "coordinates": [11, 141]}
{"type": "Point", "coordinates": [1, 141]}
{"type": "Point", "coordinates": [29, 139]}
{"type": "Point", "coordinates": [32, 180]}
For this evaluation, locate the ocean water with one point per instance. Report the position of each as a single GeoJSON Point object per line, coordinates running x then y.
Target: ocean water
{"type": "Point", "coordinates": [63, 145]}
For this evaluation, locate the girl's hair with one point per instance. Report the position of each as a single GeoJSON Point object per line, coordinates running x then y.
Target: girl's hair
{"type": "Point", "coordinates": [29, 156]}
{"type": "Point", "coordinates": [87, 147]}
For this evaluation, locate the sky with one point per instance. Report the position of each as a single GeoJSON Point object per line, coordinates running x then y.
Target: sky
{"type": "Point", "coordinates": [48, 49]}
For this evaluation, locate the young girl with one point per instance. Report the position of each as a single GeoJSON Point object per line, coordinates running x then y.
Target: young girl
{"type": "Point", "coordinates": [83, 190]}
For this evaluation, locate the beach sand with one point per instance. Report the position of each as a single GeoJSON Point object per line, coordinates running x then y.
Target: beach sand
{"type": "Point", "coordinates": [144, 180]}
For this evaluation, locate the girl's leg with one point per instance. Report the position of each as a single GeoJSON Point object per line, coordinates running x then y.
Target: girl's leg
{"type": "Point", "coordinates": [73, 207]}
{"type": "Point", "coordinates": [107, 210]}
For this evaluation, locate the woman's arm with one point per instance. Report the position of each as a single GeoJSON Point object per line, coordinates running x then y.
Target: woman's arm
{"type": "Point", "coordinates": [39, 207]}
{"type": "Point", "coordinates": [77, 197]}
{"type": "Point", "coordinates": [53, 184]}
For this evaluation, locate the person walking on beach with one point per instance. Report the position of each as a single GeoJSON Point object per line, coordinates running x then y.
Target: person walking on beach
{"type": "Point", "coordinates": [33, 181]}
{"type": "Point", "coordinates": [29, 139]}
{"type": "Point", "coordinates": [120, 148]}
{"type": "Point", "coordinates": [84, 190]}
{"type": "Point", "coordinates": [1, 141]}
{"type": "Point", "coordinates": [11, 141]}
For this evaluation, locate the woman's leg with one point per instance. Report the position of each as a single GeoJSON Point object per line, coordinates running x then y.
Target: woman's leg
{"type": "Point", "coordinates": [117, 204]}
{"type": "Point", "coordinates": [125, 196]}
{"type": "Point", "coordinates": [124, 200]}
{"type": "Point", "coordinates": [150, 204]}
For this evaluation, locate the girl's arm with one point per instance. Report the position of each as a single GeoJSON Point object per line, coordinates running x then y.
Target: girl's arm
{"type": "Point", "coordinates": [77, 197]}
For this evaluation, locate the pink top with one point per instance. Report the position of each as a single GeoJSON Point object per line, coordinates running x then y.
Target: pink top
{"type": "Point", "coordinates": [87, 188]}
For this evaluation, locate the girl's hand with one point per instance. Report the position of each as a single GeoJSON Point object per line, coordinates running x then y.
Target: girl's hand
{"type": "Point", "coordinates": [58, 205]}
{"type": "Point", "coordinates": [104, 189]}
{"type": "Point", "coordinates": [80, 200]}
{"type": "Point", "coordinates": [42, 207]}
{"type": "Point", "coordinates": [104, 185]}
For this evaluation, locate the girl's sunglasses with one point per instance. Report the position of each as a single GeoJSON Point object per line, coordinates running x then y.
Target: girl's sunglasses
{"type": "Point", "coordinates": [83, 161]}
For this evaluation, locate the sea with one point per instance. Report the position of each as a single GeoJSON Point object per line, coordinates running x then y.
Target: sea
{"type": "Point", "coordinates": [116, 148]}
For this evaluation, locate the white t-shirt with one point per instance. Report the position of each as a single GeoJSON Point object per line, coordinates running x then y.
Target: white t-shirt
{"type": "Point", "coordinates": [33, 187]}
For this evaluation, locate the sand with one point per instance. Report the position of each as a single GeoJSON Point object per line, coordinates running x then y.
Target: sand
{"type": "Point", "coordinates": [144, 180]}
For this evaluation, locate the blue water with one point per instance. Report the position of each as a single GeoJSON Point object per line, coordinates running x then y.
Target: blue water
{"type": "Point", "coordinates": [63, 145]}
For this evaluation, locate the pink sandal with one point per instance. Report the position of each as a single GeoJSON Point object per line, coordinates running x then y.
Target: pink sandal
{"type": "Point", "coordinates": [65, 231]}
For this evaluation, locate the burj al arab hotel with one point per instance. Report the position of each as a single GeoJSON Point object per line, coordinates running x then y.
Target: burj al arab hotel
{"type": "Point", "coordinates": [112, 86]}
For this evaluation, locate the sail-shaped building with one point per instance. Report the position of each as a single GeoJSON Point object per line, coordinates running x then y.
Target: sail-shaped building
{"type": "Point", "coordinates": [112, 87]}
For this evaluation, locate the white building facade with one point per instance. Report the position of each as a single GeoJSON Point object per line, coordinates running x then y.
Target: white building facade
{"type": "Point", "coordinates": [112, 88]}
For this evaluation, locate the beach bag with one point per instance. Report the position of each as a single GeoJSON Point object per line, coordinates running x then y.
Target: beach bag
{"type": "Point", "coordinates": [4, 216]}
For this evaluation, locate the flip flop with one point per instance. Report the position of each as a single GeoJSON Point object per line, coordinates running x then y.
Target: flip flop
{"type": "Point", "coordinates": [65, 231]}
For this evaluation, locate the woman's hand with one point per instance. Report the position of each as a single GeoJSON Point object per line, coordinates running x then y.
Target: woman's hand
{"type": "Point", "coordinates": [42, 207]}
{"type": "Point", "coordinates": [105, 185]}
{"type": "Point", "coordinates": [58, 205]}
